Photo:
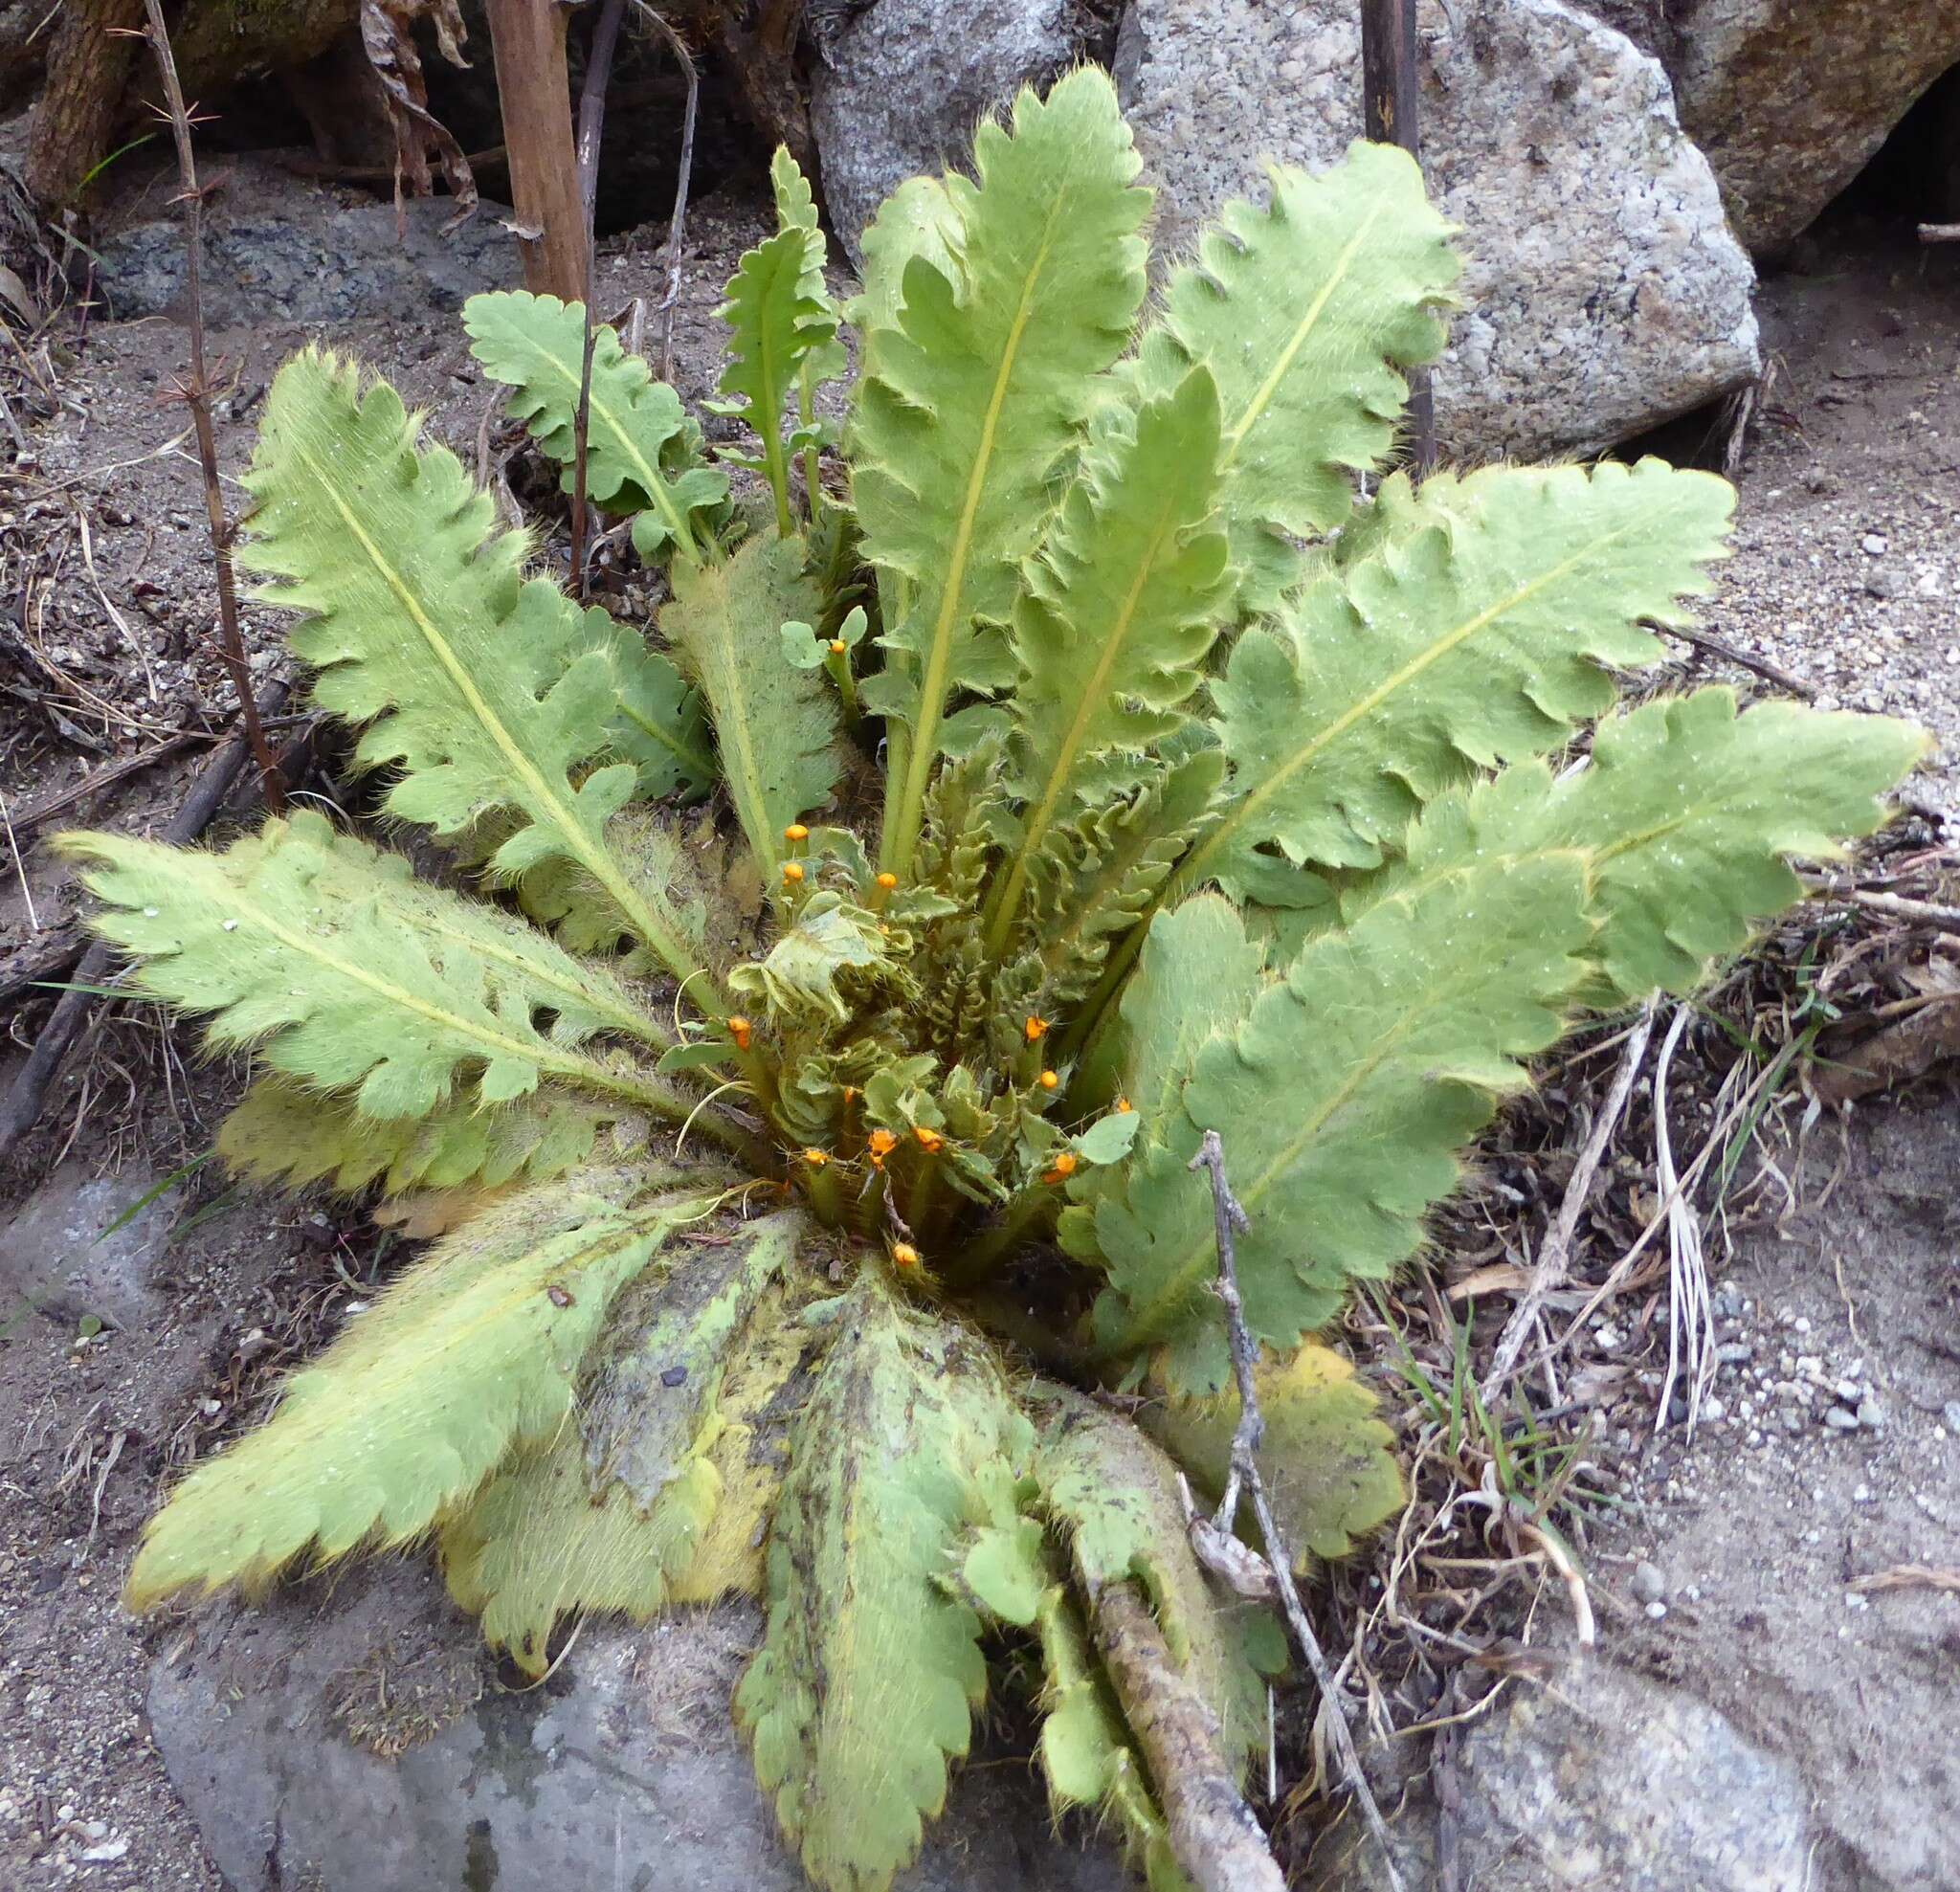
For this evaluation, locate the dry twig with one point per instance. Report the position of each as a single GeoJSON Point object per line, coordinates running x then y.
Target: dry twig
{"type": "Point", "coordinates": [1229, 1219]}
{"type": "Point", "coordinates": [1555, 1255]}
{"type": "Point", "coordinates": [196, 395]}
{"type": "Point", "coordinates": [677, 226]}
{"type": "Point", "coordinates": [23, 1106]}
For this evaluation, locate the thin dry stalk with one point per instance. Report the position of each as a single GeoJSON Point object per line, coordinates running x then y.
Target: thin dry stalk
{"type": "Point", "coordinates": [591, 124]}
{"type": "Point", "coordinates": [1690, 1311]}
{"type": "Point", "coordinates": [677, 226]}
{"type": "Point", "coordinates": [1229, 1219]}
{"type": "Point", "coordinates": [196, 395]}
{"type": "Point", "coordinates": [1555, 1256]}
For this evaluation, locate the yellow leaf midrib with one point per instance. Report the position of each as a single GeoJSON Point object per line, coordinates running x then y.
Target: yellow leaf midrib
{"type": "Point", "coordinates": [924, 747]}
{"type": "Point", "coordinates": [592, 859]}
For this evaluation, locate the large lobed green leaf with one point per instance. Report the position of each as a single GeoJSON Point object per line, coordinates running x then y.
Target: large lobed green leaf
{"type": "Point", "coordinates": [975, 392]}
{"type": "Point", "coordinates": [1341, 1097]}
{"type": "Point", "coordinates": [870, 1668]}
{"type": "Point", "coordinates": [1688, 815]}
{"type": "Point", "coordinates": [1303, 312]}
{"type": "Point", "coordinates": [642, 451]}
{"type": "Point", "coordinates": [776, 726]}
{"type": "Point", "coordinates": [1478, 633]}
{"type": "Point", "coordinates": [473, 1351]}
{"type": "Point", "coordinates": [491, 694]}
{"type": "Point", "coordinates": [355, 976]}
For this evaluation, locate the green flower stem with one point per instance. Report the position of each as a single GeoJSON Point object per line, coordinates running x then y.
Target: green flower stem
{"type": "Point", "coordinates": [839, 664]}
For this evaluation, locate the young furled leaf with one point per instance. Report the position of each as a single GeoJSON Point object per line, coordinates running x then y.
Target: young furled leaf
{"type": "Point", "coordinates": [351, 975]}
{"type": "Point", "coordinates": [1303, 312]}
{"type": "Point", "coordinates": [1119, 612]}
{"type": "Point", "coordinates": [482, 688]}
{"type": "Point", "coordinates": [642, 453]}
{"type": "Point", "coordinates": [776, 727]}
{"type": "Point", "coordinates": [977, 391]}
{"type": "Point", "coordinates": [870, 1670]}
{"type": "Point", "coordinates": [774, 325]}
{"type": "Point", "coordinates": [472, 1351]}
{"type": "Point", "coordinates": [825, 358]}
{"type": "Point", "coordinates": [1341, 1098]}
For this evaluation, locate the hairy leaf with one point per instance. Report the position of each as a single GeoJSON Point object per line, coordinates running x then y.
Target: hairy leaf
{"type": "Point", "coordinates": [977, 389]}
{"type": "Point", "coordinates": [774, 325]}
{"type": "Point", "coordinates": [1687, 814]}
{"type": "Point", "coordinates": [870, 1670]}
{"type": "Point", "coordinates": [280, 1132]}
{"type": "Point", "coordinates": [796, 210]}
{"type": "Point", "coordinates": [761, 1399]}
{"type": "Point", "coordinates": [1113, 1497]}
{"type": "Point", "coordinates": [473, 1351]}
{"type": "Point", "coordinates": [485, 690]}
{"type": "Point", "coordinates": [1342, 1098]}
{"type": "Point", "coordinates": [776, 726]}
{"type": "Point", "coordinates": [1303, 312]}
{"type": "Point", "coordinates": [1120, 608]}
{"type": "Point", "coordinates": [830, 939]}
{"type": "Point", "coordinates": [1328, 1459]}
{"type": "Point", "coordinates": [657, 724]}
{"type": "Point", "coordinates": [606, 1513]}
{"type": "Point", "coordinates": [1478, 639]}
{"type": "Point", "coordinates": [637, 429]}
{"type": "Point", "coordinates": [351, 975]}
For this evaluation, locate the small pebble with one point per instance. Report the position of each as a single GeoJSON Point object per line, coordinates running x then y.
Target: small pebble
{"type": "Point", "coordinates": [1876, 544]}
{"type": "Point", "coordinates": [1950, 1416]}
{"type": "Point", "coordinates": [1713, 1411]}
{"type": "Point", "coordinates": [1656, 1610]}
{"type": "Point", "coordinates": [1871, 1416]}
{"type": "Point", "coordinates": [1733, 1352]}
{"type": "Point", "coordinates": [1649, 1585]}
{"type": "Point", "coordinates": [1839, 1420]}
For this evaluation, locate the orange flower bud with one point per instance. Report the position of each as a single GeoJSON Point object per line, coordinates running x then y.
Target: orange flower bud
{"type": "Point", "coordinates": [1036, 1027]}
{"type": "Point", "coordinates": [740, 1030]}
{"type": "Point", "coordinates": [796, 832]}
{"type": "Point", "coordinates": [887, 881]}
{"type": "Point", "coordinates": [1064, 1168]}
{"type": "Point", "coordinates": [815, 1158]}
{"type": "Point", "coordinates": [792, 872]}
{"type": "Point", "coordinates": [905, 1254]}
{"type": "Point", "coordinates": [1049, 1080]}
{"type": "Point", "coordinates": [1124, 1106]}
{"type": "Point", "coordinates": [929, 1141]}
{"type": "Point", "coordinates": [882, 1143]}
{"type": "Point", "coordinates": [839, 647]}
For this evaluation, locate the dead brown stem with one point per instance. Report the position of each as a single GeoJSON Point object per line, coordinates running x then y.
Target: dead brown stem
{"type": "Point", "coordinates": [196, 394]}
{"type": "Point", "coordinates": [1228, 1218]}
{"type": "Point", "coordinates": [1214, 1834]}
{"type": "Point", "coordinates": [677, 225]}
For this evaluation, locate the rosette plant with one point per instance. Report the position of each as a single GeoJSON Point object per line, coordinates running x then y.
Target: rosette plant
{"type": "Point", "coordinates": [1080, 751]}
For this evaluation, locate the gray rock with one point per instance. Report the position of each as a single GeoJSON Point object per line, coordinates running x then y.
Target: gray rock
{"type": "Point", "coordinates": [1790, 98]}
{"type": "Point", "coordinates": [621, 1771]}
{"type": "Point", "coordinates": [1605, 290]}
{"type": "Point", "coordinates": [1649, 1585]}
{"type": "Point", "coordinates": [56, 1254]}
{"type": "Point", "coordinates": [1838, 1419]}
{"type": "Point", "coordinates": [310, 258]}
{"type": "Point", "coordinates": [1949, 1418]}
{"type": "Point", "coordinates": [898, 89]}
{"type": "Point", "coordinates": [1602, 1778]}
